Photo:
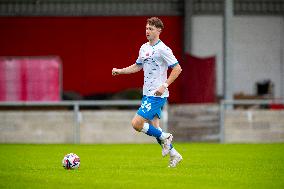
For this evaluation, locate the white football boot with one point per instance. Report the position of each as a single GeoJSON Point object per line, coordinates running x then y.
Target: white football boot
{"type": "Point", "coordinates": [174, 160]}
{"type": "Point", "coordinates": [166, 145]}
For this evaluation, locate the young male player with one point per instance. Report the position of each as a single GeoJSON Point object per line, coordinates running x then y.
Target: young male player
{"type": "Point", "coordinates": [155, 58]}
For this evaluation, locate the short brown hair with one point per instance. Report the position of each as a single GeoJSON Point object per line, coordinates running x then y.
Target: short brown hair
{"type": "Point", "coordinates": [154, 21]}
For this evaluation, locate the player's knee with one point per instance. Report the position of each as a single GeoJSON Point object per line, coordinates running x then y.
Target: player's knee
{"type": "Point", "coordinates": [137, 124]}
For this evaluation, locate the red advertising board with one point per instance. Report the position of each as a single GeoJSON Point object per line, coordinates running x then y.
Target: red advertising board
{"type": "Point", "coordinates": [30, 79]}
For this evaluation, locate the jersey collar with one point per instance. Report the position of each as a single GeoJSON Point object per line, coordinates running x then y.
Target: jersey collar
{"type": "Point", "coordinates": [155, 43]}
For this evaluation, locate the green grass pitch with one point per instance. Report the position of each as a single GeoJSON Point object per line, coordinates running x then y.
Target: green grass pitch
{"type": "Point", "coordinates": [136, 166]}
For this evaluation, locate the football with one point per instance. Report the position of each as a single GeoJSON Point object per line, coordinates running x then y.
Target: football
{"type": "Point", "coordinates": [71, 161]}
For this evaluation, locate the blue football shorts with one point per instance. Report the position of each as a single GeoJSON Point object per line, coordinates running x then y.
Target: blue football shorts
{"type": "Point", "coordinates": [151, 106]}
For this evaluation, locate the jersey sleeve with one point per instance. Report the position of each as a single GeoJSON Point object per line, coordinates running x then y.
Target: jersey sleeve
{"type": "Point", "coordinates": [139, 59]}
{"type": "Point", "coordinates": [169, 57]}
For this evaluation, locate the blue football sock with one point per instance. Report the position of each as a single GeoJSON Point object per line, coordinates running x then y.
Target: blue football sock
{"type": "Point", "coordinates": [151, 130]}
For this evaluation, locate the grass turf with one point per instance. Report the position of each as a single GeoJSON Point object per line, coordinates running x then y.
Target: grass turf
{"type": "Point", "coordinates": [141, 166]}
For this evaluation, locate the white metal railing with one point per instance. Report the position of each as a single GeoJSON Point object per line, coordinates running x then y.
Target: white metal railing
{"type": "Point", "coordinates": [76, 109]}
{"type": "Point", "coordinates": [228, 104]}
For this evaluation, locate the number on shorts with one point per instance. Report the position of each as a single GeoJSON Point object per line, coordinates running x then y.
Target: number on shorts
{"type": "Point", "coordinates": [146, 105]}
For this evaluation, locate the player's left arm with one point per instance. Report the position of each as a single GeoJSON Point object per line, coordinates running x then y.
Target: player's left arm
{"type": "Point", "coordinates": [174, 74]}
{"type": "Point", "coordinates": [176, 70]}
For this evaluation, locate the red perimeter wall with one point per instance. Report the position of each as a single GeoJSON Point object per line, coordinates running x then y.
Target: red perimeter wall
{"type": "Point", "coordinates": [89, 48]}
{"type": "Point", "coordinates": [199, 79]}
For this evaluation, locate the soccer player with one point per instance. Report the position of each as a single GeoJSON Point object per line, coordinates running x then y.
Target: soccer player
{"type": "Point", "coordinates": [155, 58]}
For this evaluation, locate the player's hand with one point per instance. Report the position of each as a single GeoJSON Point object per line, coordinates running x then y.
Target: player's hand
{"type": "Point", "coordinates": [160, 91]}
{"type": "Point", "coordinates": [115, 71]}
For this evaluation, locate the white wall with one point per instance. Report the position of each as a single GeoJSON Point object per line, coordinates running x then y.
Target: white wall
{"type": "Point", "coordinates": [57, 126]}
{"type": "Point", "coordinates": [253, 126]}
{"type": "Point", "coordinates": [207, 36]}
{"type": "Point", "coordinates": [257, 47]}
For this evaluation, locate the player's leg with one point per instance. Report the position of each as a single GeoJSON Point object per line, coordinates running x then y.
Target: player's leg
{"type": "Point", "coordinates": [175, 159]}
{"type": "Point", "coordinates": [166, 148]}
{"type": "Point", "coordinates": [156, 123]}
{"type": "Point", "coordinates": [175, 156]}
{"type": "Point", "coordinates": [149, 109]}
{"type": "Point", "coordinates": [141, 124]}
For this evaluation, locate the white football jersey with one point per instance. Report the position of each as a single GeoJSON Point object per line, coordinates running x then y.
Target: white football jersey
{"type": "Point", "coordinates": [155, 61]}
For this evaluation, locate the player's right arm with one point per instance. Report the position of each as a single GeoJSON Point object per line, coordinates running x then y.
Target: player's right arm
{"type": "Point", "coordinates": [128, 70]}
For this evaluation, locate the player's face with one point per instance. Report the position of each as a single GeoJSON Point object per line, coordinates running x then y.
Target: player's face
{"type": "Point", "coordinates": [152, 32]}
